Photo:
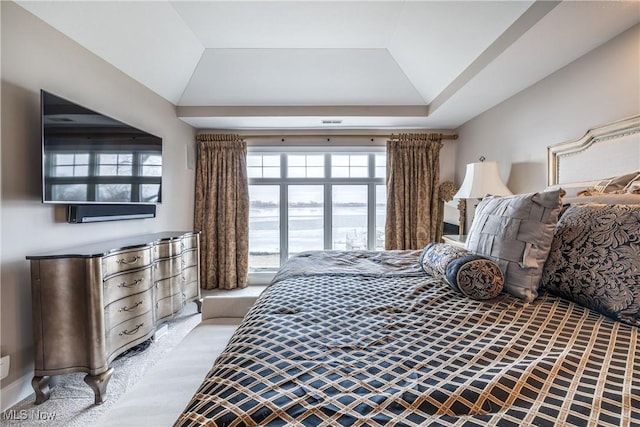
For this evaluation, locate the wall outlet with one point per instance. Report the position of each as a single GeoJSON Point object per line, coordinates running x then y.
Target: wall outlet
{"type": "Point", "coordinates": [4, 366]}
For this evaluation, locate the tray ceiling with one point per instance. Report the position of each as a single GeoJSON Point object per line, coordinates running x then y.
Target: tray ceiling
{"type": "Point", "coordinates": [362, 64]}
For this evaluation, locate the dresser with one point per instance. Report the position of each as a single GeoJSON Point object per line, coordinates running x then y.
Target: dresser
{"type": "Point", "coordinates": [92, 303]}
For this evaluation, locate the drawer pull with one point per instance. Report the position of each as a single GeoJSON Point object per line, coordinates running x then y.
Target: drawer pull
{"type": "Point", "coordinates": [133, 331]}
{"type": "Point", "coordinates": [132, 261]}
{"type": "Point", "coordinates": [133, 307]}
{"type": "Point", "coordinates": [128, 285]}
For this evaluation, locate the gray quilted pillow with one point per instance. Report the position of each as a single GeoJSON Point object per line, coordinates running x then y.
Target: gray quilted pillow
{"type": "Point", "coordinates": [516, 232]}
{"type": "Point", "coordinates": [595, 259]}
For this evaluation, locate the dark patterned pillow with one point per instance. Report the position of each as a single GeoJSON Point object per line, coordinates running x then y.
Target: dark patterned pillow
{"type": "Point", "coordinates": [472, 275]}
{"type": "Point", "coordinates": [595, 259]}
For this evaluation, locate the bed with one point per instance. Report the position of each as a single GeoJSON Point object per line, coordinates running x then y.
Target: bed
{"type": "Point", "coordinates": [446, 336]}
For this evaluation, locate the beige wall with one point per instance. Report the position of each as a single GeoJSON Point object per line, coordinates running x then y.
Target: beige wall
{"type": "Point", "coordinates": [600, 87]}
{"type": "Point", "coordinates": [34, 57]}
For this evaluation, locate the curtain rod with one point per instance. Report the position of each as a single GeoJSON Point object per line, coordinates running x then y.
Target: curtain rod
{"type": "Point", "coordinates": [329, 136]}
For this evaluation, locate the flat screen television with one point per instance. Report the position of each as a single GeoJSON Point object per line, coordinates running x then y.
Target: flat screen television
{"type": "Point", "coordinates": [89, 158]}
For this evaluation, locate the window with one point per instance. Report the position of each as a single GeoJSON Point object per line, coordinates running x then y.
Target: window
{"type": "Point", "coordinates": [267, 166]}
{"type": "Point", "coordinates": [349, 217]}
{"type": "Point", "coordinates": [104, 176]}
{"type": "Point", "coordinates": [349, 165]}
{"type": "Point", "coordinates": [305, 215]}
{"type": "Point", "coordinates": [264, 226]}
{"type": "Point", "coordinates": [115, 164]}
{"type": "Point", "coordinates": [75, 164]}
{"type": "Point", "coordinates": [314, 200]}
{"type": "Point", "coordinates": [305, 166]}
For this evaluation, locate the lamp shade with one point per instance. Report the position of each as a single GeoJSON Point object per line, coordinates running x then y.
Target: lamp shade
{"type": "Point", "coordinates": [482, 179]}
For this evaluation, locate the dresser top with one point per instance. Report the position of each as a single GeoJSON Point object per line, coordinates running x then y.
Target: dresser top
{"type": "Point", "coordinates": [106, 247]}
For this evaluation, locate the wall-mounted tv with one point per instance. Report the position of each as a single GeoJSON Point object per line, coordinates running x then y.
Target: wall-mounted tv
{"type": "Point", "coordinates": [88, 157]}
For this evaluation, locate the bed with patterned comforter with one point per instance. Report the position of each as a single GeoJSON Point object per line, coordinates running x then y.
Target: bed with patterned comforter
{"type": "Point", "coordinates": [368, 338]}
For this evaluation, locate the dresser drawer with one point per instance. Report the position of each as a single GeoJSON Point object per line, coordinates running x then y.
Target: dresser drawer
{"type": "Point", "coordinates": [167, 268]}
{"type": "Point", "coordinates": [167, 287]}
{"type": "Point", "coordinates": [190, 290]}
{"type": "Point", "coordinates": [190, 242]}
{"type": "Point", "coordinates": [125, 260]}
{"type": "Point", "coordinates": [125, 284]}
{"type": "Point", "coordinates": [127, 308]}
{"type": "Point", "coordinates": [190, 274]}
{"type": "Point", "coordinates": [164, 308]}
{"type": "Point", "coordinates": [129, 331]}
{"type": "Point", "coordinates": [167, 249]}
{"type": "Point", "coordinates": [177, 302]}
{"type": "Point", "coordinates": [190, 258]}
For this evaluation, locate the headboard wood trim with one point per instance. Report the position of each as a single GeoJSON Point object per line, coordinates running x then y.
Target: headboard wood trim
{"type": "Point", "coordinates": [611, 131]}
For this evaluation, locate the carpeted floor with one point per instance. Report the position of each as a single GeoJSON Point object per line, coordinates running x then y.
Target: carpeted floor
{"type": "Point", "coordinates": [71, 402]}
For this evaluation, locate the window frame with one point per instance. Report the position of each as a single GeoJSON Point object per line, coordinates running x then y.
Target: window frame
{"type": "Point", "coordinates": [371, 181]}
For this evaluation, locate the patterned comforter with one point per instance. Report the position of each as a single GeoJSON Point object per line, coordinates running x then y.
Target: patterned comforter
{"type": "Point", "coordinates": [392, 346]}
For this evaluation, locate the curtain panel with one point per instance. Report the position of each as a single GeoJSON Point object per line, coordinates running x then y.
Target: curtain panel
{"type": "Point", "coordinates": [221, 211]}
{"type": "Point", "coordinates": [413, 173]}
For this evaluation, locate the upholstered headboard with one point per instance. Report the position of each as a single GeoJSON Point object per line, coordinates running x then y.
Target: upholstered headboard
{"type": "Point", "coordinates": [606, 151]}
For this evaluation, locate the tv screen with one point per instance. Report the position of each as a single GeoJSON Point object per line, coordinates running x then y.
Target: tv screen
{"type": "Point", "coordinates": [88, 157]}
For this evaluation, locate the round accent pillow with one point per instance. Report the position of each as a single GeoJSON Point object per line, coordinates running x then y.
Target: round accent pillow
{"type": "Point", "coordinates": [472, 275]}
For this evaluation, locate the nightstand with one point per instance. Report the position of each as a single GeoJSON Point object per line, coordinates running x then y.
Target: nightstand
{"type": "Point", "coordinates": [455, 240]}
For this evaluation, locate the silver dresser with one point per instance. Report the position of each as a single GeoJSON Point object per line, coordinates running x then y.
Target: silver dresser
{"type": "Point", "coordinates": [92, 303]}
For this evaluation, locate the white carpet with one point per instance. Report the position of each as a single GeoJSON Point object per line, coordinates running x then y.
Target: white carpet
{"type": "Point", "coordinates": [71, 402]}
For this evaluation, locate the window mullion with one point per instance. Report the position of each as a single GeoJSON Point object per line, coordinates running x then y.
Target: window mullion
{"type": "Point", "coordinates": [371, 204]}
{"type": "Point", "coordinates": [284, 210]}
{"type": "Point", "coordinates": [328, 218]}
{"type": "Point", "coordinates": [93, 171]}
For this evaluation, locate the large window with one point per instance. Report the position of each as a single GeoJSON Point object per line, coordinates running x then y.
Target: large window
{"type": "Point", "coordinates": [314, 200]}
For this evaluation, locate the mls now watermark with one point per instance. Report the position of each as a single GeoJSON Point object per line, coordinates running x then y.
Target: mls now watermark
{"type": "Point", "coordinates": [28, 415]}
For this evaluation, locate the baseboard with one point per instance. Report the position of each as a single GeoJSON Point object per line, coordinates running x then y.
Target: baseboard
{"type": "Point", "coordinates": [217, 306]}
{"type": "Point", "coordinates": [15, 392]}
{"type": "Point", "coordinates": [260, 278]}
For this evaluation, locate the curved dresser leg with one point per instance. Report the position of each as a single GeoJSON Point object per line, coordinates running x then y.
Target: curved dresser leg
{"type": "Point", "coordinates": [199, 304]}
{"type": "Point", "coordinates": [98, 384]}
{"type": "Point", "coordinates": [42, 389]}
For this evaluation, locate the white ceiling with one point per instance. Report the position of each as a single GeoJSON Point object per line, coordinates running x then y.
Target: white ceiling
{"type": "Point", "coordinates": [365, 64]}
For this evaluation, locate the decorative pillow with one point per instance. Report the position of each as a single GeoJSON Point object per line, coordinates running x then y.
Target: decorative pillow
{"type": "Point", "coordinates": [516, 233]}
{"type": "Point", "coordinates": [472, 275]}
{"type": "Point", "coordinates": [605, 198]}
{"type": "Point", "coordinates": [617, 183]}
{"type": "Point", "coordinates": [633, 187]}
{"type": "Point", "coordinates": [614, 185]}
{"type": "Point", "coordinates": [595, 259]}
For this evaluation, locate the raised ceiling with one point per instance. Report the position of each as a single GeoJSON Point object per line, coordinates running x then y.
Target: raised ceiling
{"type": "Point", "coordinates": [355, 64]}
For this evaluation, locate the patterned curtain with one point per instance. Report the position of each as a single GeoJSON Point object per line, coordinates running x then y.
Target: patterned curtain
{"type": "Point", "coordinates": [413, 173]}
{"type": "Point", "coordinates": [222, 211]}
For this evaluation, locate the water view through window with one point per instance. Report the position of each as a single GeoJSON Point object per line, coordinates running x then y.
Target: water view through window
{"type": "Point", "coordinates": [318, 201]}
